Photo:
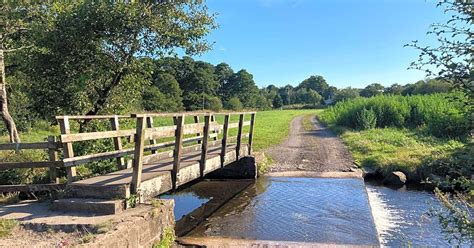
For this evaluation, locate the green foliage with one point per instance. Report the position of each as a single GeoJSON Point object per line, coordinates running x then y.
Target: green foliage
{"type": "Point", "coordinates": [455, 167]}
{"type": "Point", "coordinates": [132, 200]}
{"type": "Point", "coordinates": [213, 103]}
{"type": "Point", "coordinates": [6, 226]}
{"type": "Point", "coordinates": [83, 61]}
{"type": "Point", "coordinates": [167, 238]}
{"type": "Point", "coordinates": [372, 90]}
{"type": "Point", "coordinates": [442, 115]}
{"type": "Point", "coordinates": [346, 94]}
{"type": "Point", "coordinates": [455, 218]}
{"type": "Point", "coordinates": [394, 149]}
{"type": "Point", "coordinates": [19, 87]}
{"type": "Point", "coordinates": [24, 176]}
{"type": "Point", "coordinates": [427, 87]}
{"type": "Point", "coordinates": [366, 119]}
{"type": "Point", "coordinates": [316, 83]}
{"type": "Point", "coordinates": [277, 102]}
{"type": "Point", "coordinates": [163, 95]}
{"type": "Point", "coordinates": [234, 104]}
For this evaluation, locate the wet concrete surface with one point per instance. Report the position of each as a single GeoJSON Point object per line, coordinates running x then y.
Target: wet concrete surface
{"type": "Point", "coordinates": [302, 210]}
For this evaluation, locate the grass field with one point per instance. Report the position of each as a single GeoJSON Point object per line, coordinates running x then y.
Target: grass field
{"type": "Point", "coordinates": [392, 149]}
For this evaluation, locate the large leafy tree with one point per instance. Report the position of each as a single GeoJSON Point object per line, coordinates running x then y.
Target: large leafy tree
{"type": "Point", "coordinates": [163, 95]}
{"type": "Point", "coordinates": [346, 94]}
{"type": "Point", "coordinates": [87, 57]}
{"type": "Point", "coordinates": [223, 72]}
{"type": "Point", "coordinates": [18, 24]}
{"type": "Point", "coordinates": [372, 90]}
{"type": "Point", "coordinates": [242, 86]}
{"type": "Point", "coordinates": [316, 83]}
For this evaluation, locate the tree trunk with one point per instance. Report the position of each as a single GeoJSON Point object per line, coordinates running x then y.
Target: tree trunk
{"type": "Point", "coordinates": [7, 118]}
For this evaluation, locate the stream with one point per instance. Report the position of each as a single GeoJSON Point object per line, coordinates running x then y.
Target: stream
{"type": "Point", "coordinates": [311, 210]}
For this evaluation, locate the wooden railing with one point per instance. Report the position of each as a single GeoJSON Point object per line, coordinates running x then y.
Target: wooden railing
{"type": "Point", "coordinates": [140, 139]}
{"type": "Point", "coordinates": [52, 146]}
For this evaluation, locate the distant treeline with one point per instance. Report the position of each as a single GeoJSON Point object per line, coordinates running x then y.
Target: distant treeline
{"type": "Point", "coordinates": [178, 84]}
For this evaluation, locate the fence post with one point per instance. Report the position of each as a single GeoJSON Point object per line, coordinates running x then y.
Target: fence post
{"type": "Point", "coordinates": [224, 138]}
{"type": "Point", "coordinates": [213, 119]}
{"type": "Point", "coordinates": [196, 120]}
{"type": "Point", "coordinates": [239, 136]}
{"type": "Point", "coordinates": [149, 124]}
{"type": "Point", "coordinates": [138, 156]}
{"type": "Point", "coordinates": [252, 122]}
{"type": "Point", "coordinates": [68, 150]}
{"type": "Point", "coordinates": [114, 122]}
{"type": "Point", "coordinates": [53, 156]}
{"type": "Point", "coordinates": [205, 137]}
{"type": "Point", "coordinates": [178, 148]}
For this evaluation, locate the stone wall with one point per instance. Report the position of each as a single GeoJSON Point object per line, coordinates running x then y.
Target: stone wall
{"type": "Point", "coordinates": [142, 230]}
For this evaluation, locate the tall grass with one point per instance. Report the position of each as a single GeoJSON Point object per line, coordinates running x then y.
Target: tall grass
{"type": "Point", "coordinates": [441, 115]}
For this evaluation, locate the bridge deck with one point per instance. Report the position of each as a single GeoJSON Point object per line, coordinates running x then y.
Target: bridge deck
{"type": "Point", "coordinates": [156, 174]}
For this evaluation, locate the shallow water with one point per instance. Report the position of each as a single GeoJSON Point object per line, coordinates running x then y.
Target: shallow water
{"type": "Point", "coordinates": [323, 210]}
{"type": "Point", "coordinates": [401, 217]}
{"type": "Point", "coordinates": [296, 209]}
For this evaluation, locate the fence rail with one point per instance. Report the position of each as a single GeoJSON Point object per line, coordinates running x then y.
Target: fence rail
{"type": "Point", "coordinates": [53, 146]}
{"type": "Point", "coordinates": [145, 141]}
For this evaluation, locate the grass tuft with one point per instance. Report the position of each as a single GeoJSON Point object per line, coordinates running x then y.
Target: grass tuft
{"type": "Point", "coordinates": [6, 226]}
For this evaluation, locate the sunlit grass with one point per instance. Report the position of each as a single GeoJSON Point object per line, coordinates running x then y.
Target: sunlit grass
{"type": "Point", "coordinates": [391, 149]}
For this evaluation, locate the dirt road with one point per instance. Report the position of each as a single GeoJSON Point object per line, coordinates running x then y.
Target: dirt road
{"type": "Point", "coordinates": [318, 150]}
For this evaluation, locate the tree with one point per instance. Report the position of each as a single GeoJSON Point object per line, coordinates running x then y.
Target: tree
{"type": "Point", "coordinates": [277, 102]}
{"type": "Point", "coordinates": [453, 57]}
{"type": "Point", "coordinates": [200, 80]}
{"type": "Point", "coordinates": [317, 83]}
{"type": "Point", "coordinates": [394, 89]}
{"type": "Point", "coordinates": [163, 95]}
{"type": "Point", "coordinates": [234, 104]}
{"type": "Point", "coordinates": [89, 50]}
{"type": "Point", "coordinates": [242, 86]}
{"type": "Point", "coordinates": [16, 29]}
{"type": "Point", "coordinates": [287, 94]}
{"type": "Point", "coordinates": [314, 98]}
{"type": "Point", "coordinates": [329, 92]}
{"type": "Point", "coordinates": [223, 73]}
{"type": "Point", "coordinates": [426, 87]}
{"type": "Point", "coordinates": [346, 94]}
{"type": "Point", "coordinates": [372, 90]}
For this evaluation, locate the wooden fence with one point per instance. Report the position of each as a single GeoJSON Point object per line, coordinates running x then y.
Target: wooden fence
{"type": "Point", "coordinates": [53, 146]}
{"type": "Point", "coordinates": [139, 142]}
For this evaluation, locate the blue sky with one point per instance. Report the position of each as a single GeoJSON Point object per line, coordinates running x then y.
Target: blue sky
{"type": "Point", "coordinates": [349, 42]}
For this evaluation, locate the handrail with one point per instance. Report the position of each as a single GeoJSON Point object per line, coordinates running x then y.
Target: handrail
{"type": "Point", "coordinates": [51, 145]}
{"type": "Point", "coordinates": [145, 136]}
{"type": "Point", "coordinates": [91, 117]}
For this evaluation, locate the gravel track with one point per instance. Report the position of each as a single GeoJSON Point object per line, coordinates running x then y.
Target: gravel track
{"type": "Point", "coordinates": [317, 150]}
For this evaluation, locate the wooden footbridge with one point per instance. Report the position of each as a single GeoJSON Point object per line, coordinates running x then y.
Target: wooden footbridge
{"type": "Point", "coordinates": [154, 153]}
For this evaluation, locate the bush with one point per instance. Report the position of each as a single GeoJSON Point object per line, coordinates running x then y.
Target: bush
{"type": "Point", "coordinates": [366, 119]}
{"type": "Point", "coordinates": [234, 104]}
{"type": "Point", "coordinates": [441, 115]}
{"type": "Point", "coordinates": [214, 103]}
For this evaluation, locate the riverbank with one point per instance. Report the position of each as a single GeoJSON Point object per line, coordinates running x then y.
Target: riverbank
{"type": "Point", "coordinates": [410, 139]}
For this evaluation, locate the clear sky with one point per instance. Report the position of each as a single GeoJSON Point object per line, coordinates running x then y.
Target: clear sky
{"type": "Point", "coordinates": [349, 42]}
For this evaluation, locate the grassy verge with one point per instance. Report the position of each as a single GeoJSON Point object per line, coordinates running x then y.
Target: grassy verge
{"type": "Point", "coordinates": [394, 149]}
